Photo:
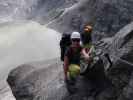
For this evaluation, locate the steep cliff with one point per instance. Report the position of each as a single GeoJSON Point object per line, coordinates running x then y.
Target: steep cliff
{"type": "Point", "coordinates": [106, 16]}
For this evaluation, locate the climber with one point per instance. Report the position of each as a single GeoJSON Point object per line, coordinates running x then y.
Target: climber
{"type": "Point", "coordinates": [91, 65]}
{"type": "Point", "coordinates": [72, 62]}
{"type": "Point", "coordinates": [72, 57]}
{"type": "Point", "coordinates": [87, 51]}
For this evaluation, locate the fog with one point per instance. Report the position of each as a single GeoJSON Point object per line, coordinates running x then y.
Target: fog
{"type": "Point", "coordinates": [23, 42]}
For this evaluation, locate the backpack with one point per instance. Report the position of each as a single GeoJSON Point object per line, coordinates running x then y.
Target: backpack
{"type": "Point", "coordinates": [65, 42]}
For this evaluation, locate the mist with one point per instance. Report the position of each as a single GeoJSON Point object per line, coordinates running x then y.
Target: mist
{"type": "Point", "coordinates": [23, 42]}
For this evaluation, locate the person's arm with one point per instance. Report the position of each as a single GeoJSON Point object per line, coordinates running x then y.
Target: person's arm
{"type": "Point", "coordinates": [85, 54]}
{"type": "Point", "coordinates": [66, 64]}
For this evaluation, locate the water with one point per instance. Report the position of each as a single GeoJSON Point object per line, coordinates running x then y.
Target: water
{"type": "Point", "coordinates": [23, 42]}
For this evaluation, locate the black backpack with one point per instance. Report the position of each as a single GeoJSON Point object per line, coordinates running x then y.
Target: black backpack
{"type": "Point", "coordinates": [65, 42]}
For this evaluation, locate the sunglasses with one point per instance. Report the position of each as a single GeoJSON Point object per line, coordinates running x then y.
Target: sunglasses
{"type": "Point", "coordinates": [76, 40]}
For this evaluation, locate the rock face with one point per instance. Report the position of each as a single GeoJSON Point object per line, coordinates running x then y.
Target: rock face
{"type": "Point", "coordinates": [123, 41]}
{"type": "Point", "coordinates": [44, 81]}
{"type": "Point", "coordinates": [107, 17]}
{"type": "Point", "coordinates": [39, 10]}
{"type": "Point", "coordinates": [37, 81]}
{"type": "Point", "coordinates": [120, 48]}
{"type": "Point", "coordinates": [48, 10]}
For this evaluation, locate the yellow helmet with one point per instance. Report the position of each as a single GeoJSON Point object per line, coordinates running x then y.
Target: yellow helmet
{"type": "Point", "coordinates": [88, 28]}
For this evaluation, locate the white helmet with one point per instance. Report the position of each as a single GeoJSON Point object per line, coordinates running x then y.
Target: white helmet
{"type": "Point", "coordinates": [75, 35]}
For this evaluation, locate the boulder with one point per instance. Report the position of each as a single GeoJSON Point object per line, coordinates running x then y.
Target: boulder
{"type": "Point", "coordinates": [37, 81]}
